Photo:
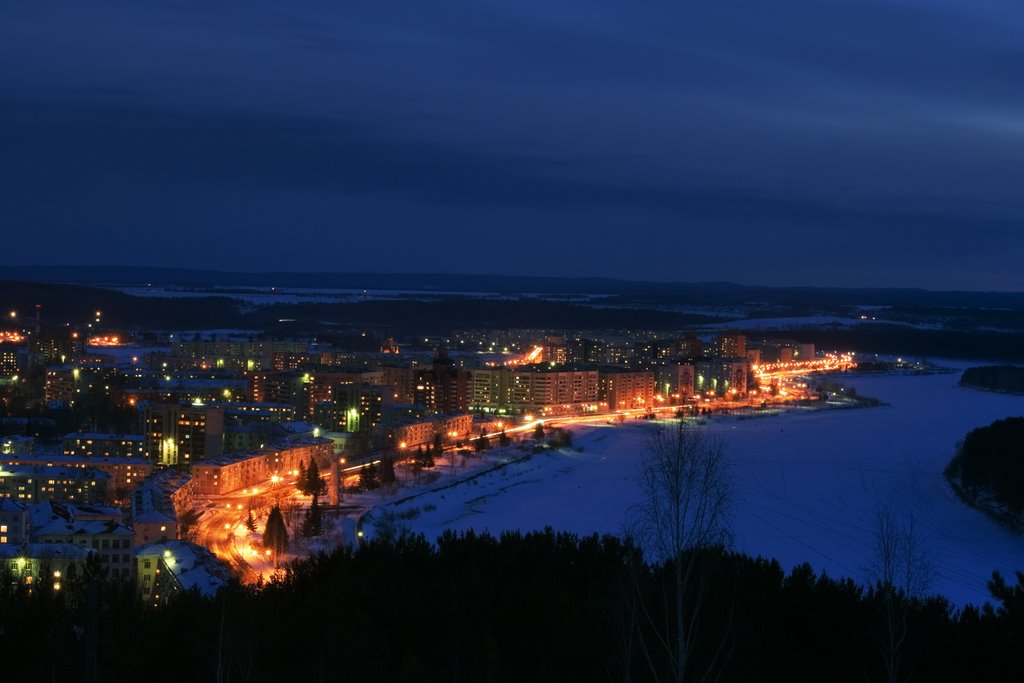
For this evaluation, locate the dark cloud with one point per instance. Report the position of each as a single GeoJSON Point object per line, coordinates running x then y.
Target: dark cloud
{"type": "Point", "coordinates": [870, 142]}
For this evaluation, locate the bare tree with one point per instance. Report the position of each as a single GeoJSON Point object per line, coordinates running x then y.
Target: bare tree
{"type": "Point", "coordinates": [687, 494]}
{"type": "Point", "coordinates": [901, 570]}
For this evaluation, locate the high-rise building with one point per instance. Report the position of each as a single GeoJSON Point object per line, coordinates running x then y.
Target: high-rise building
{"type": "Point", "coordinates": [730, 345]}
{"type": "Point", "coordinates": [627, 389]}
{"type": "Point", "coordinates": [179, 434]}
{"type": "Point", "coordinates": [442, 388]}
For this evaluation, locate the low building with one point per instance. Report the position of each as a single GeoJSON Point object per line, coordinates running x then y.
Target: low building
{"type": "Point", "coordinates": [408, 435]}
{"type": "Point", "coordinates": [32, 563]}
{"type": "Point", "coordinates": [111, 541]}
{"type": "Point", "coordinates": [124, 473]}
{"type": "Point", "coordinates": [88, 445]}
{"type": "Point", "coordinates": [165, 569]}
{"type": "Point", "coordinates": [244, 470]}
{"type": "Point", "coordinates": [158, 504]}
{"type": "Point", "coordinates": [31, 484]}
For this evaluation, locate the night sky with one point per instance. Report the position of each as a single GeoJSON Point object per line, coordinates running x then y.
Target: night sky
{"type": "Point", "coordinates": [810, 142]}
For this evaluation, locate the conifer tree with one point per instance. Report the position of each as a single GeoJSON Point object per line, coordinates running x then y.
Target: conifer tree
{"type": "Point", "coordinates": [313, 522]}
{"type": "Point", "coordinates": [369, 478]}
{"type": "Point", "coordinates": [387, 470]}
{"type": "Point", "coordinates": [314, 483]}
{"type": "Point", "coordinates": [424, 458]}
{"type": "Point", "coordinates": [302, 484]}
{"type": "Point", "coordinates": [275, 534]}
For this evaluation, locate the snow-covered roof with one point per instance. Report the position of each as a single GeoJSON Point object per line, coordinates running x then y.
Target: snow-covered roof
{"type": "Point", "coordinates": [192, 565]}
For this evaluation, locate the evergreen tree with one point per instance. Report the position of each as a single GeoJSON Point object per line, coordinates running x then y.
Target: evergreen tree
{"type": "Point", "coordinates": [538, 431]}
{"type": "Point", "coordinates": [302, 484]}
{"type": "Point", "coordinates": [424, 458]}
{"type": "Point", "coordinates": [313, 522]}
{"type": "Point", "coordinates": [481, 442]}
{"type": "Point", "coordinates": [314, 483]}
{"type": "Point", "coordinates": [504, 438]}
{"type": "Point", "coordinates": [275, 534]}
{"type": "Point", "coordinates": [387, 469]}
{"type": "Point", "coordinates": [250, 522]}
{"type": "Point", "coordinates": [369, 478]}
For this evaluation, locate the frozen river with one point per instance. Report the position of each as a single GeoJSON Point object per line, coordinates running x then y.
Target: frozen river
{"type": "Point", "coordinates": [808, 484]}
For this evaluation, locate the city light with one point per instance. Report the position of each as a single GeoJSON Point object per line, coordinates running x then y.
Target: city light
{"type": "Point", "coordinates": [104, 340]}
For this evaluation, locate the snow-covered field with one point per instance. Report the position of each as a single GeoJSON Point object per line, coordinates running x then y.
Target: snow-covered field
{"type": "Point", "coordinates": [808, 484]}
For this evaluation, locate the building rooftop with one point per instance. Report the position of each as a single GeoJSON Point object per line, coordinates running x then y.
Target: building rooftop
{"type": "Point", "coordinates": [192, 565]}
{"type": "Point", "coordinates": [45, 472]}
{"type": "Point", "coordinates": [8, 505]}
{"type": "Point", "coordinates": [49, 510]}
{"type": "Point", "coordinates": [61, 527]}
{"type": "Point", "coordinates": [151, 501]}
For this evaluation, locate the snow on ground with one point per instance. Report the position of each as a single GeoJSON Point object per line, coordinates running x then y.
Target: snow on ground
{"type": "Point", "coordinates": [808, 483]}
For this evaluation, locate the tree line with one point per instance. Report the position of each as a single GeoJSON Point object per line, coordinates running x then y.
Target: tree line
{"type": "Point", "coordinates": [1008, 378]}
{"type": "Point", "coordinates": [542, 606]}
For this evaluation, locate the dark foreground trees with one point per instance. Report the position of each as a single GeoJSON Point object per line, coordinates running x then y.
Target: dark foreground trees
{"type": "Point", "coordinates": [687, 493]}
{"type": "Point", "coordinates": [538, 607]}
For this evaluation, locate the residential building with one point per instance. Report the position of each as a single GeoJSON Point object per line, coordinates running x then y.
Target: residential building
{"type": "Point", "coordinates": [178, 434]}
{"type": "Point", "coordinates": [157, 505]}
{"type": "Point", "coordinates": [111, 540]}
{"type": "Point", "coordinates": [124, 473]}
{"type": "Point", "coordinates": [227, 473]}
{"type": "Point", "coordinates": [627, 389]}
{"type": "Point", "coordinates": [32, 563]}
{"type": "Point", "coordinates": [90, 445]}
{"type": "Point", "coordinates": [31, 484]}
{"type": "Point", "coordinates": [167, 568]}
{"type": "Point", "coordinates": [421, 432]}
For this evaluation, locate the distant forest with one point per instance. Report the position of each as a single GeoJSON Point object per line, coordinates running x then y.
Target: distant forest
{"type": "Point", "coordinates": [1007, 378]}
{"type": "Point", "coordinates": [523, 607]}
{"type": "Point", "coordinates": [434, 314]}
